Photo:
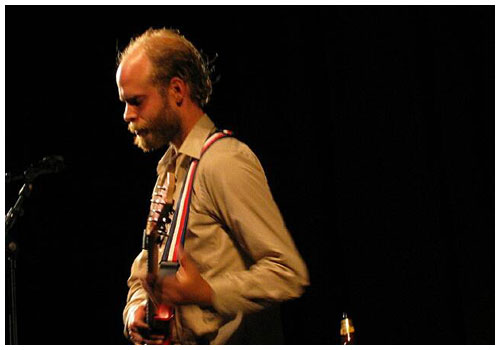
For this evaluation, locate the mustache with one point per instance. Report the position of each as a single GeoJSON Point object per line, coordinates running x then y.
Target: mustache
{"type": "Point", "coordinates": [135, 128]}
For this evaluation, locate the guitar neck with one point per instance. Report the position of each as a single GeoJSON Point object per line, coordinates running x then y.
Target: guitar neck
{"type": "Point", "coordinates": [152, 250]}
{"type": "Point", "coordinates": [161, 205]}
{"type": "Point", "coordinates": [152, 270]}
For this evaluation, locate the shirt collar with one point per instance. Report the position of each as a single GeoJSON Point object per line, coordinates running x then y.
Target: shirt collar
{"type": "Point", "coordinates": [196, 138]}
{"type": "Point", "coordinates": [192, 145]}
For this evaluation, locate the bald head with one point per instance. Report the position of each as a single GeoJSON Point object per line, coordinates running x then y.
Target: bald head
{"type": "Point", "coordinates": [172, 55]}
{"type": "Point", "coordinates": [134, 71]}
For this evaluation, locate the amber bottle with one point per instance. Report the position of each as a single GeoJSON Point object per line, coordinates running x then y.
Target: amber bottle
{"type": "Point", "coordinates": [346, 331]}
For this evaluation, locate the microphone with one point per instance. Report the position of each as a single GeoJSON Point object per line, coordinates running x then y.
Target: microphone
{"type": "Point", "coordinates": [48, 165]}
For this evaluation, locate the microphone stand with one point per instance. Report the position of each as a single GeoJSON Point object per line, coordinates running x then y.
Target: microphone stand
{"type": "Point", "coordinates": [14, 213]}
{"type": "Point", "coordinates": [48, 165]}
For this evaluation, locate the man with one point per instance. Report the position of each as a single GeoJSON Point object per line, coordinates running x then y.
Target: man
{"type": "Point", "coordinates": [239, 259]}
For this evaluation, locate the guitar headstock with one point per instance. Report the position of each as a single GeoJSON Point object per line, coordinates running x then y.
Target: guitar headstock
{"type": "Point", "coordinates": [161, 205]}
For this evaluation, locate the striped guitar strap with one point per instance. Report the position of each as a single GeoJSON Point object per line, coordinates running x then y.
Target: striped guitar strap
{"type": "Point", "coordinates": [178, 228]}
{"type": "Point", "coordinates": [169, 263]}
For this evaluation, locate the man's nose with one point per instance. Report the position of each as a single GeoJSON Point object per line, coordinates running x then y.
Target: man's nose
{"type": "Point", "coordinates": [130, 114]}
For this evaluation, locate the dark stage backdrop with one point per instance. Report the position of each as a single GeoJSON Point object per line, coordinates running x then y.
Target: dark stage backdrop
{"type": "Point", "coordinates": [375, 126]}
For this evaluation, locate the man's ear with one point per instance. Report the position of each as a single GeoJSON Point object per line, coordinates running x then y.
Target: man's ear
{"type": "Point", "coordinates": [177, 90]}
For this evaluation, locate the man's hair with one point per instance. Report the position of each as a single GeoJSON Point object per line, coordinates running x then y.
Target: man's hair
{"type": "Point", "coordinates": [172, 55]}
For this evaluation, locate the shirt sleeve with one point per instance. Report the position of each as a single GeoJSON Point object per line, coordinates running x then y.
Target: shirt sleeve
{"type": "Point", "coordinates": [136, 294]}
{"type": "Point", "coordinates": [242, 201]}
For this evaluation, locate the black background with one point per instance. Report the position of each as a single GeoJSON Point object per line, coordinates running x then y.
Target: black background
{"type": "Point", "coordinates": [375, 125]}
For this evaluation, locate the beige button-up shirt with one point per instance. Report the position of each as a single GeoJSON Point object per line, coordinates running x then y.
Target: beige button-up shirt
{"type": "Point", "coordinates": [236, 236]}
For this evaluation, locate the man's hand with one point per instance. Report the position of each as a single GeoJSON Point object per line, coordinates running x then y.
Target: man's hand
{"type": "Point", "coordinates": [137, 324]}
{"type": "Point", "coordinates": [186, 287]}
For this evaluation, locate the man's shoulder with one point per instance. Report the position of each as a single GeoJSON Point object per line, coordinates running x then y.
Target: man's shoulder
{"type": "Point", "coordinates": [227, 147]}
{"type": "Point", "coordinates": [227, 152]}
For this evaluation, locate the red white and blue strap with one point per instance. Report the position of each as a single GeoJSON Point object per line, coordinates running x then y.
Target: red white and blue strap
{"type": "Point", "coordinates": [179, 223]}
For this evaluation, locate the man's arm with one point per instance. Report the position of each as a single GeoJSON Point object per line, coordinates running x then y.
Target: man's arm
{"type": "Point", "coordinates": [236, 185]}
{"type": "Point", "coordinates": [237, 189]}
{"type": "Point", "coordinates": [136, 294]}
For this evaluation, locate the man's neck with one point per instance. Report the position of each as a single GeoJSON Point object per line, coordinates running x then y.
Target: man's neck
{"type": "Point", "coordinates": [188, 121]}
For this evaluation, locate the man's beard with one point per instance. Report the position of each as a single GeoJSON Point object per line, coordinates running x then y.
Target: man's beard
{"type": "Point", "coordinates": [159, 130]}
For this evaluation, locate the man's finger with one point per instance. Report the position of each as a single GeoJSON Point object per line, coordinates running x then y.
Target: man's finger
{"type": "Point", "coordinates": [157, 337]}
{"type": "Point", "coordinates": [153, 342]}
{"type": "Point", "coordinates": [181, 274]}
{"type": "Point", "coordinates": [135, 338]}
{"type": "Point", "coordinates": [138, 324]}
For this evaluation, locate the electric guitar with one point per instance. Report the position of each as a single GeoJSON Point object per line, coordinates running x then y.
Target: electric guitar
{"type": "Point", "coordinates": [158, 316]}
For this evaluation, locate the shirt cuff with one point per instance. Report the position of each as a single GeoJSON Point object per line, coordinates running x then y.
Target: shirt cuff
{"type": "Point", "coordinates": [228, 300]}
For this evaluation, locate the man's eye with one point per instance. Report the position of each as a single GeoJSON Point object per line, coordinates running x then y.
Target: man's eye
{"type": "Point", "coordinates": [134, 102]}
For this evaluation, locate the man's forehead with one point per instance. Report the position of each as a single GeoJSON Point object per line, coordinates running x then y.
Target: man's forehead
{"type": "Point", "coordinates": [135, 68]}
